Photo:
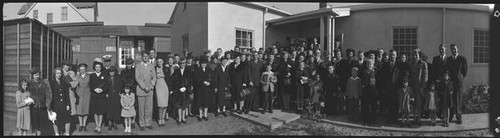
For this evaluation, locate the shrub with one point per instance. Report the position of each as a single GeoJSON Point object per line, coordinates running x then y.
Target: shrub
{"type": "Point", "coordinates": [476, 99]}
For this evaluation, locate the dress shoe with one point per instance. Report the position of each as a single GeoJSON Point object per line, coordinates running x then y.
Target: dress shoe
{"type": "Point", "coordinates": [247, 111]}
{"type": "Point", "coordinates": [149, 127]}
{"type": "Point", "coordinates": [216, 114]}
{"type": "Point", "coordinates": [84, 128]}
{"type": "Point", "coordinates": [205, 118]}
{"type": "Point", "coordinates": [445, 125]}
{"type": "Point", "coordinates": [178, 123]}
{"type": "Point", "coordinates": [271, 111]}
{"type": "Point", "coordinates": [133, 125]}
{"type": "Point", "coordinates": [199, 119]}
{"type": "Point", "coordinates": [239, 112]}
{"type": "Point", "coordinates": [459, 121]}
{"type": "Point", "coordinates": [262, 112]}
{"type": "Point", "coordinates": [110, 128]}
{"type": "Point", "coordinates": [224, 113]}
{"type": "Point", "coordinates": [184, 121]}
{"type": "Point", "coordinates": [115, 127]}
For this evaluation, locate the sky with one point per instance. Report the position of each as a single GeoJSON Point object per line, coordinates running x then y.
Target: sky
{"type": "Point", "coordinates": [158, 12]}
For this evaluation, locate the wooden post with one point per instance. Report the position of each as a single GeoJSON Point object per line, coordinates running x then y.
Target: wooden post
{"type": "Point", "coordinates": [329, 36]}
{"type": "Point", "coordinates": [322, 33]}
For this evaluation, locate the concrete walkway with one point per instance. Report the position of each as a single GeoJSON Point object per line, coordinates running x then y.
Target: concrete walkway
{"type": "Point", "coordinates": [272, 121]}
{"type": "Point", "coordinates": [470, 122]}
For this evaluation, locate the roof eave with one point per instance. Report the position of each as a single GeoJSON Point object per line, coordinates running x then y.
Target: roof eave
{"type": "Point", "coordinates": [304, 16]}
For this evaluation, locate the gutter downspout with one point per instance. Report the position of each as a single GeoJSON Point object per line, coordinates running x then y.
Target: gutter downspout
{"type": "Point", "coordinates": [264, 28]}
{"type": "Point", "coordinates": [444, 26]}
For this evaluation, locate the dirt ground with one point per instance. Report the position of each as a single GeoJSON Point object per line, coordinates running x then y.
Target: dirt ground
{"type": "Point", "coordinates": [234, 126]}
{"type": "Point", "coordinates": [305, 127]}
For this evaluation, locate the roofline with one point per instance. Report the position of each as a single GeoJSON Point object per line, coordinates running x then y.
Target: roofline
{"type": "Point", "coordinates": [29, 9]}
{"type": "Point", "coordinates": [254, 4]}
{"type": "Point", "coordinates": [76, 24]}
{"type": "Point", "coordinates": [272, 9]}
{"type": "Point", "coordinates": [416, 5]}
{"type": "Point", "coordinates": [305, 16]}
{"type": "Point", "coordinates": [70, 5]}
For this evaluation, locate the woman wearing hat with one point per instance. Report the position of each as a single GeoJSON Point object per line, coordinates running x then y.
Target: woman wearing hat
{"type": "Point", "coordinates": [239, 79]}
{"type": "Point", "coordinates": [113, 106]}
{"type": "Point", "coordinates": [83, 91]}
{"type": "Point", "coordinates": [99, 88]}
{"type": "Point", "coordinates": [181, 86]}
{"type": "Point", "coordinates": [69, 77]}
{"type": "Point", "coordinates": [42, 97]}
{"type": "Point", "coordinates": [204, 95]}
{"type": "Point", "coordinates": [128, 76]}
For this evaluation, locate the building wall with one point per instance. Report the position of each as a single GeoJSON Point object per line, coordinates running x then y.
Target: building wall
{"type": "Point", "coordinates": [192, 20]}
{"type": "Point", "coordinates": [371, 29]}
{"type": "Point", "coordinates": [222, 31]}
{"type": "Point", "coordinates": [56, 10]}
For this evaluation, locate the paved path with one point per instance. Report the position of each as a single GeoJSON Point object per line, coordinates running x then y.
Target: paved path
{"type": "Point", "coordinates": [268, 120]}
{"type": "Point", "coordinates": [214, 126]}
{"type": "Point", "coordinates": [470, 122]}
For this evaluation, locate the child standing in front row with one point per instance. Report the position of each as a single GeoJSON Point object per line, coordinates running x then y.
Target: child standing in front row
{"type": "Point", "coordinates": [316, 92]}
{"type": "Point", "coordinates": [433, 99]}
{"type": "Point", "coordinates": [353, 92]}
{"type": "Point", "coordinates": [268, 80]}
{"type": "Point", "coordinates": [23, 102]}
{"type": "Point", "coordinates": [404, 102]}
{"type": "Point", "coordinates": [128, 111]}
{"type": "Point", "coordinates": [446, 91]}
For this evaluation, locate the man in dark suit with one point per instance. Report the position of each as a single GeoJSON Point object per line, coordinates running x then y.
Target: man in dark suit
{"type": "Point", "coordinates": [437, 70]}
{"type": "Point", "coordinates": [255, 69]}
{"type": "Point", "coordinates": [391, 77]}
{"type": "Point", "coordinates": [457, 65]}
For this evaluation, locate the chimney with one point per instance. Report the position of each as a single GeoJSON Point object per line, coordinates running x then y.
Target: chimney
{"type": "Point", "coordinates": [322, 5]}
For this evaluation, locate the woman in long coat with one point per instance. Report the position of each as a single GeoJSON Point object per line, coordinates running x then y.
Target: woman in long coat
{"type": "Point", "coordinates": [162, 89]}
{"type": "Point", "coordinates": [239, 79]}
{"type": "Point", "coordinates": [60, 102]}
{"type": "Point", "coordinates": [70, 77]}
{"type": "Point", "coordinates": [113, 104]}
{"type": "Point", "coordinates": [331, 91]}
{"type": "Point", "coordinates": [181, 80]}
{"type": "Point", "coordinates": [203, 80]}
{"type": "Point", "coordinates": [99, 88]}
{"type": "Point", "coordinates": [222, 82]}
{"type": "Point", "coordinates": [301, 76]}
{"type": "Point", "coordinates": [83, 91]}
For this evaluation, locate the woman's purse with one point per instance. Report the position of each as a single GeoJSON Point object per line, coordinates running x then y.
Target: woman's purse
{"type": "Point", "coordinates": [245, 92]}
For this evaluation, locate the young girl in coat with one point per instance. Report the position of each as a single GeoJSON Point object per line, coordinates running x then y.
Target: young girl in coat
{"type": "Point", "coordinates": [316, 94]}
{"type": "Point", "coordinates": [128, 111]}
{"type": "Point", "coordinates": [432, 100]}
{"type": "Point", "coordinates": [23, 101]}
{"type": "Point", "coordinates": [404, 102]}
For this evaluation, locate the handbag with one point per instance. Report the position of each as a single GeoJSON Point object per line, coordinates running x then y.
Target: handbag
{"type": "Point", "coordinates": [228, 95]}
{"type": "Point", "coordinates": [245, 92]}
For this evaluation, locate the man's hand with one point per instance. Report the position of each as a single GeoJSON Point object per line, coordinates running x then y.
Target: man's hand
{"type": "Point", "coordinates": [244, 85]}
{"type": "Point", "coordinates": [183, 89]}
{"type": "Point", "coordinates": [251, 84]}
{"type": "Point", "coordinates": [67, 107]}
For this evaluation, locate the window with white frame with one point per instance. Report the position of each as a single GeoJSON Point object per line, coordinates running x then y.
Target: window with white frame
{"type": "Point", "coordinates": [244, 38]}
{"type": "Point", "coordinates": [405, 40]}
{"type": "Point", "coordinates": [481, 46]}
{"type": "Point", "coordinates": [35, 14]}
{"type": "Point", "coordinates": [124, 53]}
{"type": "Point", "coordinates": [64, 13]}
{"type": "Point", "coordinates": [76, 48]}
{"type": "Point", "coordinates": [110, 48]}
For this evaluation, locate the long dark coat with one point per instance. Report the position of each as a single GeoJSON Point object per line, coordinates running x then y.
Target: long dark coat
{"type": "Point", "coordinates": [113, 105]}
{"type": "Point", "coordinates": [97, 100]}
{"type": "Point", "coordinates": [222, 82]}
{"type": "Point", "coordinates": [204, 95]}
{"type": "Point", "coordinates": [60, 101]}
{"type": "Point", "coordinates": [181, 99]}
{"type": "Point", "coordinates": [239, 76]}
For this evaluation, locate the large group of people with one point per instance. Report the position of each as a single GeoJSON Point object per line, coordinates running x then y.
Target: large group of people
{"type": "Point", "coordinates": [294, 78]}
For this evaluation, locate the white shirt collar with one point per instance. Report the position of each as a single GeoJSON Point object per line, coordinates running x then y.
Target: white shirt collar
{"type": "Point", "coordinates": [98, 74]}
